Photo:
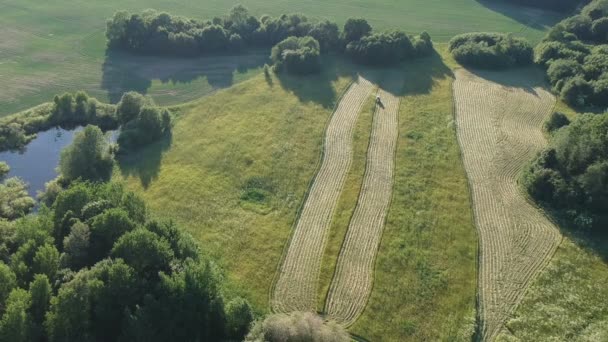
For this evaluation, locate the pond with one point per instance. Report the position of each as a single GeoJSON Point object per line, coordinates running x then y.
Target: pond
{"type": "Point", "coordinates": [37, 163]}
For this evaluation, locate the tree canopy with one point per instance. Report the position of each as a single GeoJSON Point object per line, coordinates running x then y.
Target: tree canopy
{"type": "Point", "coordinates": [490, 50]}
{"type": "Point", "coordinates": [88, 156]}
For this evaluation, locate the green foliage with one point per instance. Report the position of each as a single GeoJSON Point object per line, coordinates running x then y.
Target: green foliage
{"type": "Point", "coordinates": [297, 327]}
{"type": "Point", "coordinates": [87, 158]}
{"type": "Point", "coordinates": [355, 29]}
{"type": "Point", "coordinates": [15, 325]}
{"type": "Point", "coordinates": [106, 229]}
{"type": "Point", "coordinates": [239, 316]}
{"type": "Point", "coordinates": [556, 121]}
{"type": "Point", "coordinates": [130, 105]}
{"type": "Point", "coordinates": [576, 56]}
{"type": "Point", "coordinates": [490, 50]}
{"type": "Point", "coordinates": [146, 281]}
{"type": "Point", "coordinates": [4, 169]}
{"type": "Point", "coordinates": [46, 261]}
{"type": "Point", "coordinates": [145, 251]}
{"type": "Point", "coordinates": [149, 125]}
{"type": "Point", "coordinates": [572, 174]}
{"type": "Point", "coordinates": [388, 48]}
{"type": "Point", "coordinates": [8, 281]}
{"type": "Point", "coordinates": [297, 55]}
{"type": "Point", "coordinates": [14, 199]}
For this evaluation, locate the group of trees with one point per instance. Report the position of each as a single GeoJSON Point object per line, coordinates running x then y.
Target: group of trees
{"type": "Point", "coordinates": [297, 55]}
{"type": "Point", "coordinates": [297, 326]}
{"type": "Point", "coordinates": [490, 50]}
{"type": "Point", "coordinates": [388, 47]}
{"type": "Point", "coordinates": [142, 121]}
{"type": "Point", "coordinates": [575, 55]}
{"type": "Point", "coordinates": [67, 110]}
{"type": "Point", "coordinates": [14, 199]}
{"type": "Point", "coordinates": [572, 174]}
{"type": "Point", "coordinates": [298, 42]}
{"type": "Point", "coordinates": [93, 267]}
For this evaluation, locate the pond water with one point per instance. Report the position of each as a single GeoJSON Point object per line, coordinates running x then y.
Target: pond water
{"type": "Point", "coordinates": [37, 163]}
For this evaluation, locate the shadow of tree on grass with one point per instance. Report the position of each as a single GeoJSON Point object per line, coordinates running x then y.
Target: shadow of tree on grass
{"type": "Point", "coordinates": [123, 72]}
{"type": "Point", "coordinates": [144, 163]}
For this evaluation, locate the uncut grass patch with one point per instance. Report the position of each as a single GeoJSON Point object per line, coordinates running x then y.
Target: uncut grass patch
{"type": "Point", "coordinates": [237, 167]}
{"type": "Point", "coordinates": [425, 276]}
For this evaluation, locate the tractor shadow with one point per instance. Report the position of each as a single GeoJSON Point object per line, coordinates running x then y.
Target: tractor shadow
{"type": "Point", "coordinates": [144, 163]}
{"type": "Point", "coordinates": [123, 72]}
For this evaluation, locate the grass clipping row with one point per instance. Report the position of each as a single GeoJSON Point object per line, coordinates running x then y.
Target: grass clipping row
{"type": "Point", "coordinates": [500, 129]}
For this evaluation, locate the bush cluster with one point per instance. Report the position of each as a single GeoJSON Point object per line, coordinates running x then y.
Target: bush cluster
{"type": "Point", "coordinates": [142, 121]}
{"type": "Point", "coordinates": [297, 55]}
{"type": "Point", "coordinates": [388, 47]}
{"type": "Point", "coordinates": [67, 110]}
{"type": "Point", "coordinates": [572, 174]}
{"type": "Point", "coordinates": [93, 267]}
{"type": "Point", "coordinates": [161, 33]}
{"type": "Point", "coordinates": [490, 50]}
{"type": "Point", "coordinates": [575, 55]}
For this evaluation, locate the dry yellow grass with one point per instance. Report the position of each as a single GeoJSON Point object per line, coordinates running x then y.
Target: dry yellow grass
{"type": "Point", "coordinates": [500, 128]}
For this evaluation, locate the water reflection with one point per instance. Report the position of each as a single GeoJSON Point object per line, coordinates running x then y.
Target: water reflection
{"type": "Point", "coordinates": [37, 163]}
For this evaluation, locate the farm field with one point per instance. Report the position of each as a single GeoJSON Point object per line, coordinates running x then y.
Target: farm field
{"type": "Point", "coordinates": [53, 47]}
{"type": "Point", "coordinates": [425, 272]}
{"type": "Point", "coordinates": [499, 117]}
{"type": "Point", "coordinates": [297, 283]}
{"type": "Point", "coordinates": [235, 186]}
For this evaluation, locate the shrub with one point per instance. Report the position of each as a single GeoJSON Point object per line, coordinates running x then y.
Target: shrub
{"type": "Point", "coordinates": [556, 121]}
{"type": "Point", "coordinates": [87, 157]}
{"type": "Point", "coordinates": [297, 327]}
{"type": "Point", "coordinates": [388, 48]}
{"type": "Point", "coordinates": [490, 50]}
{"type": "Point", "coordinates": [297, 55]}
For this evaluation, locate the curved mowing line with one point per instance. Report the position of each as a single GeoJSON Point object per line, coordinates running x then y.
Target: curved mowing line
{"type": "Point", "coordinates": [353, 280]}
{"type": "Point", "coordinates": [499, 130]}
{"type": "Point", "coordinates": [297, 283]}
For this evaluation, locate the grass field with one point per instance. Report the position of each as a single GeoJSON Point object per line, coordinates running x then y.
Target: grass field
{"type": "Point", "coordinates": [236, 169]}
{"type": "Point", "coordinates": [425, 280]}
{"type": "Point", "coordinates": [568, 300]}
{"type": "Point", "coordinates": [52, 47]}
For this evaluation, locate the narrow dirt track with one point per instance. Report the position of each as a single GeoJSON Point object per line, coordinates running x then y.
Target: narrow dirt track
{"type": "Point", "coordinates": [297, 283]}
{"type": "Point", "coordinates": [500, 130]}
{"type": "Point", "coordinates": [352, 282]}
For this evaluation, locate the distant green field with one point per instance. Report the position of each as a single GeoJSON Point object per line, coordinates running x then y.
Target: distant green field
{"type": "Point", "coordinates": [51, 47]}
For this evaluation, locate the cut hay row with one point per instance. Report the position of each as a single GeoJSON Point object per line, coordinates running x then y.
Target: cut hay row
{"type": "Point", "coordinates": [296, 287]}
{"type": "Point", "coordinates": [352, 282]}
{"type": "Point", "coordinates": [499, 130]}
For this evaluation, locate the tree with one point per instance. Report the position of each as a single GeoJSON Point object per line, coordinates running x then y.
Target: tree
{"type": "Point", "coordinates": [327, 34]}
{"type": "Point", "coordinates": [40, 294]}
{"type": "Point", "coordinates": [106, 229]}
{"type": "Point", "coordinates": [8, 281]}
{"type": "Point", "coordinates": [87, 157]}
{"type": "Point", "coordinates": [15, 325]}
{"type": "Point", "coordinates": [239, 316]}
{"type": "Point", "coordinates": [355, 29]}
{"type": "Point", "coordinates": [14, 199]}
{"type": "Point", "coordinates": [130, 105]}
{"type": "Point", "coordinates": [297, 55]}
{"type": "Point", "coordinates": [145, 251]}
{"type": "Point", "coordinates": [4, 169]}
{"type": "Point", "coordinates": [46, 261]}
{"type": "Point", "coordinates": [76, 246]}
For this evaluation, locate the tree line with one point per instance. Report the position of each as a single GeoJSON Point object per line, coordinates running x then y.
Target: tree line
{"type": "Point", "coordinates": [94, 267]}
{"type": "Point", "coordinates": [490, 50]}
{"type": "Point", "coordinates": [300, 41]}
{"type": "Point", "coordinates": [575, 56]}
